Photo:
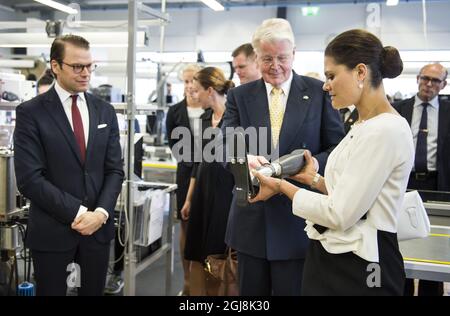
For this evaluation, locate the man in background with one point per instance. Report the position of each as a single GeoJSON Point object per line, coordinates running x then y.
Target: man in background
{"type": "Point", "coordinates": [244, 63]}
{"type": "Point", "coordinates": [429, 118]}
{"type": "Point", "coordinates": [349, 116]}
{"type": "Point", "coordinates": [45, 82]}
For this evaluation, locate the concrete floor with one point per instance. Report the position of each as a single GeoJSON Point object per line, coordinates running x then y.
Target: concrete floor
{"type": "Point", "coordinates": [151, 282]}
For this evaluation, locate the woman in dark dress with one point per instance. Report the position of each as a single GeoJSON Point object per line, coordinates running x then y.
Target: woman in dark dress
{"type": "Point", "coordinates": [210, 191]}
{"type": "Point", "coordinates": [184, 114]}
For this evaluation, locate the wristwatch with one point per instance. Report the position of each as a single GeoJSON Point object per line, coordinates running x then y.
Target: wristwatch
{"type": "Point", "coordinates": [315, 180]}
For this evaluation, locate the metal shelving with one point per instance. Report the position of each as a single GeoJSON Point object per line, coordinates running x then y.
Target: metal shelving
{"type": "Point", "coordinates": [132, 266]}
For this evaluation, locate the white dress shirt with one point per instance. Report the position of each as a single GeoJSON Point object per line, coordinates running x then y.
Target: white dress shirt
{"type": "Point", "coordinates": [432, 126]}
{"type": "Point", "coordinates": [350, 108]}
{"type": "Point", "coordinates": [66, 101]}
{"type": "Point", "coordinates": [285, 86]}
{"type": "Point", "coordinates": [366, 173]}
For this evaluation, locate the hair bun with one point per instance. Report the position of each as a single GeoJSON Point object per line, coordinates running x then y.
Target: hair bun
{"type": "Point", "coordinates": [391, 63]}
{"type": "Point", "coordinates": [228, 85]}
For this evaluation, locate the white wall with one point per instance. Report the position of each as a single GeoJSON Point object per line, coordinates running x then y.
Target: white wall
{"type": "Point", "coordinates": [6, 16]}
{"type": "Point", "coordinates": [193, 29]}
{"type": "Point", "coordinates": [220, 32]}
{"type": "Point", "coordinates": [401, 26]}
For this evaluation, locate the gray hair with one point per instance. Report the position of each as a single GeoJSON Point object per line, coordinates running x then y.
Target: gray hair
{"type": "Point", "coordinates": [272, 30]}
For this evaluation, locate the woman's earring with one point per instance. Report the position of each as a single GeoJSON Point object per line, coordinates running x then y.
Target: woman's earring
{"type": "Point", "coordinates": [360, 85]}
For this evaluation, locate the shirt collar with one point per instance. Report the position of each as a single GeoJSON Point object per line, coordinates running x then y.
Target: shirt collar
{"type": "Point", "coordinates": [285, 86]}
{"type": "Point", "coordinates": [64, 95]}
{"type": "Point", "coordinates": [433, 102]}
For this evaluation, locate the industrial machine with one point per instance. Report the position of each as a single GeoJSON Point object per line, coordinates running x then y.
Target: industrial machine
{"type": "Point", "coordinates": [7, 184]}
{"type": "Point", "coordinates": [12, 230]}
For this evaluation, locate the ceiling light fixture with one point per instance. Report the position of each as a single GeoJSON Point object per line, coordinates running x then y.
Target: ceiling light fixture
{"type": "Point", "coordinates": [96, 39]}
{"type": "Point", "coordinates": [58, 6]}
{"type": "Point", "coordinates": [213, 4]}
{"type": "Point", "coordinates": [391, 3]}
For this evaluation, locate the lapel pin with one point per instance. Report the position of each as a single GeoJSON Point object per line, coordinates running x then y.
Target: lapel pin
{"type": "Point", "coordinates": [305, 97]}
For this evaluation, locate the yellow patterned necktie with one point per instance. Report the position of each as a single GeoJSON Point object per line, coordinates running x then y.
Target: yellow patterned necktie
{"type": "Point", "coordinates": [276, 111]}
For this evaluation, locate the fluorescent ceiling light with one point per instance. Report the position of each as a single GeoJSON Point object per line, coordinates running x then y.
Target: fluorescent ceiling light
{"type": "Point", "coordinates": [391, 2]}
{"type": "Point", "coordinates": [58, 6]}
{"type": "Point", "coordinates": [17, 63]}
{"type": "Point", "coordinates": [213, 4]}
{"type": "Point", "coordinates": [96, 39]}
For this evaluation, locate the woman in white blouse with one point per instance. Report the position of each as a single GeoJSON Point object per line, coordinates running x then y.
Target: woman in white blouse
{"type": "Point", "coordinates": [352, 217]}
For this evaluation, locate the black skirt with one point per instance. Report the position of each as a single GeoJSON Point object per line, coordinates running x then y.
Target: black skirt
{"type": "Point", "coordinates": [184, 173]}
{"type": "Point", "coordinates": [347, 274]}
{"type": "Point", "coordinates": [210, 207]}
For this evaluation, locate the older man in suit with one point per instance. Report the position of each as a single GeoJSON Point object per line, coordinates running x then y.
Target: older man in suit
{"type": "Point", "coordinates": [429, 118]}
{"type": "Point", "coordinates": [68, 163]}
{"type": "Point", "coordinates": [297, 113]}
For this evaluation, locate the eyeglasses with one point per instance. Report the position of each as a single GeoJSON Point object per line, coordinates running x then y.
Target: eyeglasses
{"type": "Point", "coordinates": [79, 68]}
{"type": "Point", "coordinates": [434, 81]}
{"type": "Point", "coordinates": [269, 60]}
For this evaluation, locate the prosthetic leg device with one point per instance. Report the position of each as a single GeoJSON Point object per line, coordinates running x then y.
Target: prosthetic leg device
{"type": "Point", "coordinates": [247, 186]}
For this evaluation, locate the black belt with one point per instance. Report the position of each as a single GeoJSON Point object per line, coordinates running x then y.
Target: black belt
{"type": "Point", "coordinates": [321, 229]}
{"type": "Point", "coordinates": [422, 176]}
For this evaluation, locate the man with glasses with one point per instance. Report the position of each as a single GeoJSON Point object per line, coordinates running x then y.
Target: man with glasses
{"type": "Point", "coordinates": [296, 113]}
{"type": "Point", "coordinates": [68, 163]}
{"type": "Point", "coordinates": [429, 118]}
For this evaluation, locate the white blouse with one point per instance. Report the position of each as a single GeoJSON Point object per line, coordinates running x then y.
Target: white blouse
{"type": "Point", "coordinates": [194, 120]}
{"type": "Point", "coordinates": [367, 172]}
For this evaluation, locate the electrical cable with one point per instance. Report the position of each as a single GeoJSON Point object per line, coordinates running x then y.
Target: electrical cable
{"type": "Point", "coordinates": [16, 268]}
{"type": "Point", "coordinates": [22, 233]}
{"type": "Point", "coordinates": [11, 276]}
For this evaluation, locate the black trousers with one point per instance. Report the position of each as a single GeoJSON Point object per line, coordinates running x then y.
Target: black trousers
{"type": "Point", "coordinates": [261, 277]}
{"type": "Point", "coordinates": [53, 269]}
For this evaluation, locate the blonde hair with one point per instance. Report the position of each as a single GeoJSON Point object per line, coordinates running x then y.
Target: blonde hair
{"type": "Point", "coordinates": [272, 30]}
{"type": "Point", "coordinates": [191, 67]}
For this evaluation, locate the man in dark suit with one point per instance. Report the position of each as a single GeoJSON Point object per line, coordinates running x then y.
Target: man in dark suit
{"type": "Point", "coordinates": [296, 113]}
{"type": "Point", "coordinates": [349, 116]}
{"type": "Point", "coordinates": [429, 118]}
{"type": "Point", "coordinates": [68, 163]}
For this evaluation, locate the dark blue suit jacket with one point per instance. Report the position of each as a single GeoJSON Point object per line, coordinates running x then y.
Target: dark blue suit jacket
{"type": "Point", "coordinates": [269, 229]}
{"type": "Point", "coordinates": [405, 108]}
{"type": "Point", "coordinates": [49, 171]}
